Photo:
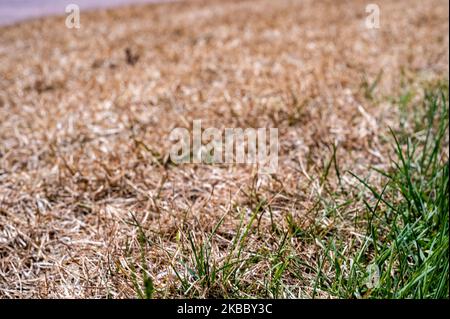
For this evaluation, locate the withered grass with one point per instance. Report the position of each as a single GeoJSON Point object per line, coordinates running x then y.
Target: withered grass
{"type": "Point", "coordinates": [90, 205]}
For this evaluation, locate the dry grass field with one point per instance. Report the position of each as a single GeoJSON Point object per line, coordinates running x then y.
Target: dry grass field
{"type": "Point", "coordinates": [92, 207]}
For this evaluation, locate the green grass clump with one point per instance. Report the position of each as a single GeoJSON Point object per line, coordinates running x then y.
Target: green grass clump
{"type": "Point", "coordinates": [405, 250]}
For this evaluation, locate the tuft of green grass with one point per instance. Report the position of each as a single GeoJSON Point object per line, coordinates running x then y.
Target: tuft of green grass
{"type": "Point", "coordinates": [404, 253]}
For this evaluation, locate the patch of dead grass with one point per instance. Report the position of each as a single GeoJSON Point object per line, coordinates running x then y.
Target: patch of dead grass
{"type": "Point", "coordinates": [84, 133]}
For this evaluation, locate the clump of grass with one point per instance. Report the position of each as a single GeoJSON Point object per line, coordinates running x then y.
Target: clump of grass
{"type": "Point", "coordinates": [241, 269]}
{"type": "Point", "coordinates": [369, 87]}
{"type": "Point", "coordinates": [144, 289]}
{"type": "Point", "coordinates": [404, 253]}
{"type": "Point", "coordinates": [207, 275]}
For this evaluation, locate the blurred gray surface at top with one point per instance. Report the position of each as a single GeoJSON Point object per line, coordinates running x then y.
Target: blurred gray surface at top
{"type": "Point", "coordinates": [12, 11]}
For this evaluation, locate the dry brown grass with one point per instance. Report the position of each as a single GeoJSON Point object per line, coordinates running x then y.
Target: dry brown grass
{"type": "Point", "coordinates": [84, 133]}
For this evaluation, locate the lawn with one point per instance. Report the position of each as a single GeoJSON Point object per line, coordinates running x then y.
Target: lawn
{"type": "Point", "coordinates": [92, 206]}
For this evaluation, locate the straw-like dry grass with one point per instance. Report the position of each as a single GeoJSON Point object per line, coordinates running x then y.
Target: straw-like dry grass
{"type": "Point", "coordinates": [90, 205]}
